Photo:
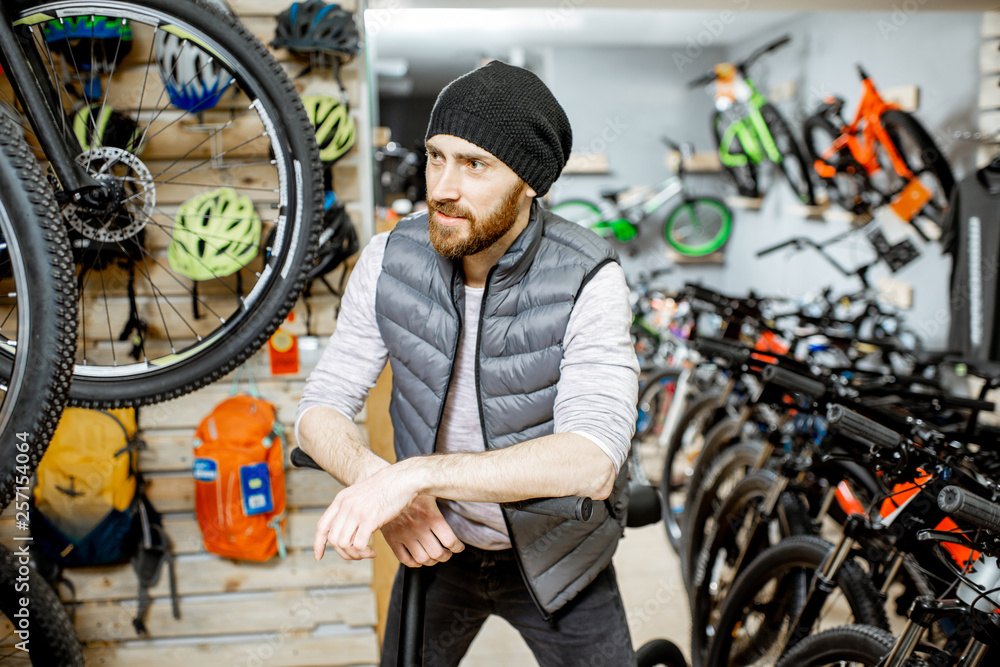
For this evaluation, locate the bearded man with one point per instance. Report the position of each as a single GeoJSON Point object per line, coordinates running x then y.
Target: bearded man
{"type": "Point", "coordinates": [507, 330]}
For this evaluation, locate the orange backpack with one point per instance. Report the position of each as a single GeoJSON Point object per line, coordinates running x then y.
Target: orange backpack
{"type": "Point", "coordinates": [239, 480]}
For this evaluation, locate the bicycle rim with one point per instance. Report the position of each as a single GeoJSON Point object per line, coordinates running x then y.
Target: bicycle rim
{"type": "Point", "coordinates": [698, 227]}
{"type": "Point", "coordinates": [166, 307]}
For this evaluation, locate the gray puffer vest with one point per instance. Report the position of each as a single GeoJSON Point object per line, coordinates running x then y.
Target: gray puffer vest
{"type": "Point", "coordinates": [527, 303]}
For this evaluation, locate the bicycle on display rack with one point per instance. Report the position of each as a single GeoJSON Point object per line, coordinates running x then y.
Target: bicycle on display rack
{"type": "Point", "coordinates": [695, 226]}
{"type": "Point", "coordinates": [186, 174]}
{"type": "Point", "coordinates": [749, 130]}
{"type": "Point", "coordinates": [883, 156]}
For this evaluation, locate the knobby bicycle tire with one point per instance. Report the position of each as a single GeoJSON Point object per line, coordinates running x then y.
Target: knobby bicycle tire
{"type": "Point", "coordinates": [723, 545]}
{"type": "Point", "coordinates": [721, 436]}
{"type": "Point", "coordinates": [40, 330]}
{"type": "Point", "coordinates": [659, 653]}
{"type": "Point", "coordinates": [793, 164]}
{"type": "Point", "coordinates": [698, 226]}
{"type": "Point", "coordinates": [258, 140]}
{"type": "Point", "coordinates": [858, 644]}
{"type": "Point", "coordinates": [745, 175]}
{"type": "Point", "coordinates": [51, 638]}
{"type": "Point", "coordinates": [700, 410]}
{"type": "Point", "coordinates": [784, 572]}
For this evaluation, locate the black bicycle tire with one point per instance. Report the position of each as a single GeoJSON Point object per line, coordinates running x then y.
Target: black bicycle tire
{"type": "Point", "coordinates": [38, 374]}
{"type": "Point", "coordinates": [752, 488]}
{"type": "Point", "coordinates": [802, 552]}
{"type": "Point", "coordinates": [777, 125]}
{"type": "Point", "coordinates": [247, 332]}
{"type": "Point", "coordinates": [659, 653]}
{"type": "Point", "coordinates": [711, 401]}
{"type": "Point", "coordinates": [51, 637]}
{"type": "Point", "coordinates": [937, 164]}
{"type": "Point", "coordinates": [715, 242]}
{"type": "Point", "coordinates": [745, 177]}
{"type": "Point", "coordinates": [652, 387]}
{"type": "Point", "coordinates": [724, 434]}
{"type": "Point", "coordinates": [849, 201]}
{"type": "Point", "coordinates": [856, 643]}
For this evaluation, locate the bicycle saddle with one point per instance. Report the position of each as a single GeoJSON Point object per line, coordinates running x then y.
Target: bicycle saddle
{"type": "Point", "coordinates": [831, 105]}
{"type": "Point", "coordinates": [612, 193]}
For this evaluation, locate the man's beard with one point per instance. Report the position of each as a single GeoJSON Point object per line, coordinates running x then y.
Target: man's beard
{"type": "Point", "coordinates": [483, 232]}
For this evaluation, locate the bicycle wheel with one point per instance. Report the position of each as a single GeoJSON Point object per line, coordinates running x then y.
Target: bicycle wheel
{"type": "Point", "coordinates": [922, 156]}
{"type": "Point", "coordinates": [760, 609]}
{"type": "Point", "coordinates": [584, 213]}
{"type": "Point", "coordinates": [698, 226]}
{"type": "Point", "coordinates": [51, 639]}
{"type": "Point", "coordinates": [655, 399]}
{"type": "Point", "coordinates": [861, 645]}
{"type": "Point", "coordinates": [744, 175]}
{"type": "Point", "coordinates": [793, 164]}
{"type": "Point", "coordinates": [39, 314]}
{"type": "Point", "coordinates": [729, 541]}
{"type": "Point", "coordinates": [659, 653]}
{"type": "Point", "coordinates": [683, 448]}
{"type": "Point", "coordinates": [728, 468]}
{"type": "Point", "coordinates": [848, 186]}
{"type": "Point", "coordinates": [173, 295]}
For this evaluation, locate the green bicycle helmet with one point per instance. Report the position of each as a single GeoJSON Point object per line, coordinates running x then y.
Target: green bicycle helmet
{"type": "Point", "coordinates": [215, 235]}
{"type": "Point", "coordinates": [98, 125]}
{"type": "Point", "coordinates": [335, 130]}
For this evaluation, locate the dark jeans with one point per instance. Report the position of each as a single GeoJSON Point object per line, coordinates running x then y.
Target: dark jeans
{"type": "Point", "coordinates": [590, 631]}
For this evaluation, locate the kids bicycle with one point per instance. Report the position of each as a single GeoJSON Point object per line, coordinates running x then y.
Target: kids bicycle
{"type": "Point", "coordinates": [748, 129]}
{"type": "Point", "coordinates": [694, 226]}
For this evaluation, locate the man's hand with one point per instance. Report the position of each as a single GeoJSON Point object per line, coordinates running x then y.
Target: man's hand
{"type": "Point", "coordinates": [361, 509]}
{"type": "Point", "coordinates": [420, 535]}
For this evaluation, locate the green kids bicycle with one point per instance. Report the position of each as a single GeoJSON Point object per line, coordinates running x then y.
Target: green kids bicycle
{"type": "Point", "coordinates": [695, 226]}
{"type": "Point", "coordinates": [749, 130]}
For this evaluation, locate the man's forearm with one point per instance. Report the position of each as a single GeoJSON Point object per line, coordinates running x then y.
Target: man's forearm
{"type": "Point", "coordinates": [337, 444]}
{"type": "Point", "coordinates": [562, 464]}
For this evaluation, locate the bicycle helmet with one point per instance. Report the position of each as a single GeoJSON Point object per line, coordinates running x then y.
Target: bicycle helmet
{"type": "Point", "coordinates": [215, 234]}
{"type": "Point", "coordinates": [105, 127]}
{"type": "Point", "coordinates": [95, 44]}
{"type": "Point", "coordinates": [338, 240]}
{"type": "Point", "coordinates": [335, 130]}
{"type": "Point", "coordinates": [311, 26]}
{"type": "Point", "coordinates": [192, 77]}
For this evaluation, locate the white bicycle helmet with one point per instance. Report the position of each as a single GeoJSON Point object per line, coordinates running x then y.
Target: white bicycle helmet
{"type": "Point", "coordinates": [193, 79]}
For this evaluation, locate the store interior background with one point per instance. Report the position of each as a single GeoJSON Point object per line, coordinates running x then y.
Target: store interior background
{"type": "Point", "coordinates": [621, 75]}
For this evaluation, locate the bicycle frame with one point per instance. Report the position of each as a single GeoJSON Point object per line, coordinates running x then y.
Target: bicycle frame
{"type": "Point", "coordinates": [625, 228]}
{"type": "Point", "coordinates": [751, 131]}
{"type": "Point", "coordinates": [32, 85]}
{"type": "Point", "coordinates": [867, 121]}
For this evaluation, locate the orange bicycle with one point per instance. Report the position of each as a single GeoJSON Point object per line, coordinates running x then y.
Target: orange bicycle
{"type": "Point", "coordinates": [885, 156]}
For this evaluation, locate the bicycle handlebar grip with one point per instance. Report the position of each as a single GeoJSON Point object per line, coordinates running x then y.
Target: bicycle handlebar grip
{"type": "Point", "coordinates": [302, 460]}
{"type": "Point", "coordinates": [970, 507]}
{"type": "Point", "coordinates": [852, 424]}
{"type": "Point", "coordinates": [793, 382]}
{"type": "Point", "coordinates": [566, 507]}
{"type": "Point", "coordinates": [712, 347]}
{"type": "Point", "coordinates": [967, 403]}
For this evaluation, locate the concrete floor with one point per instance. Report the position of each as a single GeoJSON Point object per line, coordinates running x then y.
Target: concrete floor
{"type": "Point", "coordinates": [649, 576]}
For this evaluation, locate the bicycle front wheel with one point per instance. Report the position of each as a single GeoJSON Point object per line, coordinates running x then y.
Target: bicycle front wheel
{"type": "Point", "coordinates": [584, 213]}
{"type": "Point", "coordinates": [793, 163]}
{"type": "Point", "coordinates": [38, 300]}
{"type": "Point", "coordinates": [698, 226]}
{"type": "Point", "coordinates": [211, 185]}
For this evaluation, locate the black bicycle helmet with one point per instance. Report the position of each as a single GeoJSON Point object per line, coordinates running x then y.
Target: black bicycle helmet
{"type": "Point", "coordinates": [314, 25]}
{"type": "Point", "coordinates": [338, 240]}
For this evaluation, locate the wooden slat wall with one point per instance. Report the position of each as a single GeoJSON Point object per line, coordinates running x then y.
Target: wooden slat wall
{"type": "Point", "coordinates": [295, 612]}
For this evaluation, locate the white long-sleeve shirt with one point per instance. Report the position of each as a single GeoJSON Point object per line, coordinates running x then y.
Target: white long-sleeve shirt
{"type": "Point", "coordinates": [595, 396]}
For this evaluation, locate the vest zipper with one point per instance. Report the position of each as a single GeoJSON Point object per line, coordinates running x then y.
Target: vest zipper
{"type": "Point", "coordinates": [454, 354]}
{"type": "Point", "coordinates": [486, 443]}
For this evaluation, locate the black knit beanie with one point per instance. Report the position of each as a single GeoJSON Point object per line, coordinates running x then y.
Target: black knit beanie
{"type": "Point", "coordinates": [509, 112]}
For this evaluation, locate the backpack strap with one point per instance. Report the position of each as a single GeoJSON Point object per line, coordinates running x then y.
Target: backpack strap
{"type": "Point", "coordinates": [153, 552]}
